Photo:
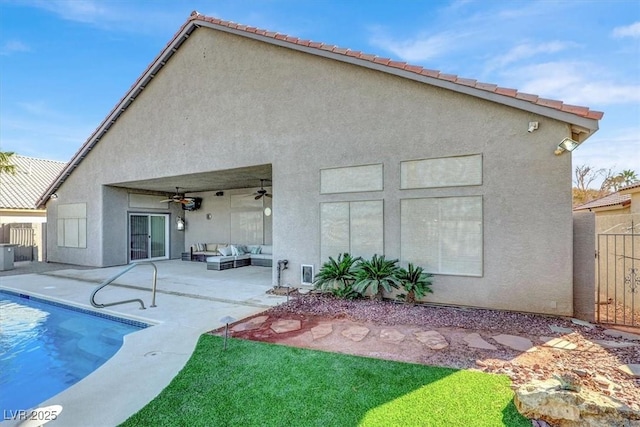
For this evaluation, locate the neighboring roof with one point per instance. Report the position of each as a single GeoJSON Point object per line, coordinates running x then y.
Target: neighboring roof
{"type": "Point", "coordinates": [583, 120]}
{"type": "Point", "coordinates": [631, 188]}
{"type": "Point", "coordinates": [32, 178]}
{"type": "Point", "coordinates": [615, 199]}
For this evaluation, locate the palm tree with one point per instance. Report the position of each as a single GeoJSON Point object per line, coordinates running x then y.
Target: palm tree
{"type": "Point", "coordinates": [416, 282]}
{"type": "Point", "coordinates": [337, 276]}
{"type": "Point", "coordinates": [628, 177]}
{"type": "Point", "coordinates": [5, 162]}
{"type": "Point", "coordinates": [379, 274]}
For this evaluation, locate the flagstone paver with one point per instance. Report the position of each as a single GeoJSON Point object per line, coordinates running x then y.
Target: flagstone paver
{"type": "Point", "coordinates": [561, 344]}
{"type": "Point", "coordinates": [286, 325]}
{"type": "Point", "coordinates": [475, 340]}
{"type": "Point", "coordinates": [321, 331]}
{"type": "Point", "coordinates": [633, 370]}
{"type": "Point", "coordinates": [432, 339]}
{"type": "Point", "coordinates": [513, 341]}
{"type": "Point", "coordinates": [250, 324]}
{"type": "Point", "coordinates": [355, 333]}
{"type": "Point", "coordinates": [620, 334]}
{"type": "Point", "coordinates": [583, 323]}
{"type": "Point", "coordinates": [614, 344]}
{"type": "Point", "coordinates": [560, 329]}
{"type": "Point", "coordinates": [391, 335]}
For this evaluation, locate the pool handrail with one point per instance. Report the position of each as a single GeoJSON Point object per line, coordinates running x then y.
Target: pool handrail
{"type": "Point", "coordinates": [93, 302]}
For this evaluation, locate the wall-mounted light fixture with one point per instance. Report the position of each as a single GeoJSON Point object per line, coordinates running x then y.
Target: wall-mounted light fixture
{"type": "Point", "coordinates": [208, 216]}
{"type": "Point", "coordinates": [54, 196]}
{"type": "Point", "coordinates": [532, 127]}
{"type": "Point", "coordinates": [220, 193]}
{"type": "Point", "coordinates": [180, 224]}
{"type": "Point", "coordinates": [267, 211]}
{"type": "Point", "coordinates": [566, 144]}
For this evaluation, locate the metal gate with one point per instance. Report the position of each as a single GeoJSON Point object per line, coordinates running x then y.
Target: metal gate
{"type": "Point", "coordinates": [618, 276]}
{"type": "Point", "coordinates": [22, 235]}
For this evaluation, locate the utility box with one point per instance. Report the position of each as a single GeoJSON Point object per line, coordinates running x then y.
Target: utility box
{"type": "Point", "coordinates": [7, 253]}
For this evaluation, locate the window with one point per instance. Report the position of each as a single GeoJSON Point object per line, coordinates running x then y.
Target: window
{"type": "Point", "coordinates": [441, 172]}
{"type": "Point", "coordinates": [72, 225]}
{"type": "Point", "coordinates": [351, 179]}
{"type": "Point", "coordinates": [354, 227]}
{"type": "Point", "coordinates": [443, 234]}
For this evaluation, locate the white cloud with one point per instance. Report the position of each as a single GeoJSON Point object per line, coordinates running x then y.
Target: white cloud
{"type": "Point", "coordinates": [632, 30]}
{"type": "Point", "coordinates": [616, 151]}
{"type": "Point", "coordinates": [529, 50]}
{"type": "Point", "coordinates": [420, 48]}
{"type": "Point", "coordinates": [13, 46]}
{"type": "Point", "coordinates": [579, 83]}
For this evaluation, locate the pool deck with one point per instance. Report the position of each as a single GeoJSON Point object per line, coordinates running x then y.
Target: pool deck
{"type": "Point", "coordinates": [190, 300]}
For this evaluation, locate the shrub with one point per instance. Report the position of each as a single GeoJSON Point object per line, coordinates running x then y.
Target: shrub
{"type": "Point", "coordinates": [378, 274]}
{"type": "Point", "coordinates": [337, 276]}
{"type": "Point", "coordinates": [415, 282]}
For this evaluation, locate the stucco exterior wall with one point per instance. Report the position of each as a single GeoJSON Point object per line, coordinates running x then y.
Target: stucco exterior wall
{"type": "Point", "coordinates": [224, 101]}
{"type": "Point", "coordinates": [584, 265]}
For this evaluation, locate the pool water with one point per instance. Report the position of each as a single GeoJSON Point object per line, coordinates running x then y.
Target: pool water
{"type": "Point", "coordinates": [47, 347]}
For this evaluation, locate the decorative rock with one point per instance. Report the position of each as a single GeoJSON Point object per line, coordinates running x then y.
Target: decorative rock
{"type": "Point", "coordinates": [583, 323]}
{"type": "Point", "coordinates": [322, 330]}
{"type": "Point", "coordinates": [614, 344]}
{"type": "Point", "coordinates": [287, 325]}
{"type": "Point", "coordinates": [355, 333]}
{"type": "Point", "coordinates": [560, 344]}
{"type": "Point", "coordinates": [633, 370]}
{"type": "Point", "coordinates": [432, 339]}
{"type": "Point", "coordinates": [620, 334]}
{"type": "Point", "coordinates": [475, 340]}
{"type": "Point", "coordinates": [391, 335]}
{"type": "Point", "coordinates": [560, 329]}
{"type": "Point", "coordinates": [514, 342]}
{"type": "Point", "coordinates": [562, 408]}
{"type": "Point", "coordinates": [250, 324]}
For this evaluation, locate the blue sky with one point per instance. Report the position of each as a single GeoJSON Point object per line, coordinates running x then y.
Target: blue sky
{"type": "Point", "coordinates": [64, 64]}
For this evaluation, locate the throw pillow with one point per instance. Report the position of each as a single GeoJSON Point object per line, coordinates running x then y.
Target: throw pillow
{"type": "Point", "coordinates": [255, 250]}
{"type": "Point", "coordinates": [234, 250]}
{"type": "Point", "coordinates": [226, 251]}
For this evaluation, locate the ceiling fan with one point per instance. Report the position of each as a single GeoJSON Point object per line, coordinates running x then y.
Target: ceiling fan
{"type": "Point", "coordinates": [262, 192]}
{"type": "Point", "coordinates": [178, 198]}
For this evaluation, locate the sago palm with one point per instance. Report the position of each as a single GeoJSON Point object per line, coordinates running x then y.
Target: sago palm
{"type": "Point", "coordinates": [416, 282]}
{"type": "Point", "coordinates": [337, 275]}
{"type": "Point", "coordinates": [378, 274]}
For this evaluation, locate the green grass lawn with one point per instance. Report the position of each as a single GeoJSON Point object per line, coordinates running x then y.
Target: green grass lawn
{"type": "Point", "coordinates": [253, 383]}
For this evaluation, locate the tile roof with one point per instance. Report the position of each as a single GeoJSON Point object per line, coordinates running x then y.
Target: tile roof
{"type": "Point", "coordinates": [606, 201]}
{"type": "Point", "coordinates": [630, 186]}
{"type": "Point", "coordinates": [32, 178]}
{"type": "Point", "coordinates": [582, 116]}
{"type": "Point", "coordinates": [513, 93]}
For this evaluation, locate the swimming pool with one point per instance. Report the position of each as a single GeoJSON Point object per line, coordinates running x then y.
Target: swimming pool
{"type": "Point", "coordinates": [46, 347]}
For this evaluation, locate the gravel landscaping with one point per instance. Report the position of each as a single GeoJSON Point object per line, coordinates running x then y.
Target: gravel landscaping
{"type": "Point", "coordinates": [595, 365]}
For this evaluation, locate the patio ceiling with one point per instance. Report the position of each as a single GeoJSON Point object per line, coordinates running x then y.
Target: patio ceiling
{"type": "Point", "coordinates": [229, 179]}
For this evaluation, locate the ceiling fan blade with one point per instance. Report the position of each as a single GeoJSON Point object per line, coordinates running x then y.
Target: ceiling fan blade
{"type": "Point", "coordinates": [258, 196]}
{"type": "Point", "coordinates": [166, 200]}
{"type": "Point", "coordinates": [269, 195]}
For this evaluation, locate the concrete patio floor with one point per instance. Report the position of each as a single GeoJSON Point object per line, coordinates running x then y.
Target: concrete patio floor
{"type": "Point", "coordinates": [190, 300]}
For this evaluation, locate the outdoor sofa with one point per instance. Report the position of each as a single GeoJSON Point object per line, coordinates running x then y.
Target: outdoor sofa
{"type": "Point", "coordinates": [232, 256]}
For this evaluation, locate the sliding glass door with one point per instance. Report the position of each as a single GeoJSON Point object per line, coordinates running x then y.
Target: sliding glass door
{"type": "Point", "coordinates": [148, 237]}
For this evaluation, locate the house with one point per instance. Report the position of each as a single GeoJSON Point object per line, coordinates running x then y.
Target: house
{"type": "Point", "coordinates": [361, 154]}
{"type": "Point", "coordinates": [612, 204]}
{"type": "Point", "coordinates": [21, 220]}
